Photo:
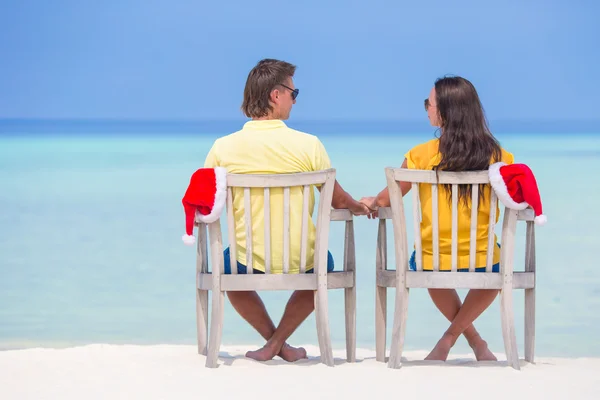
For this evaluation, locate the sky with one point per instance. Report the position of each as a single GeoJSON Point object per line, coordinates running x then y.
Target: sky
{"type": "Point", "coordinates": [360, 60]}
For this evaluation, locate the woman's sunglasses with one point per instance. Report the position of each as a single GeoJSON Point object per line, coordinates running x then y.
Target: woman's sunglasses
{"type": "Point", "coordinates": [294, 91]}
{"type": "Point", "coordinates": [427, 105]}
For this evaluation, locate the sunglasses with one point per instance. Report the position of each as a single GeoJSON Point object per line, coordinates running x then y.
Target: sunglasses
{"type": "Point", "coordinates": [294, 91]}
{"type": "Point", "coordinates": [427, 105]}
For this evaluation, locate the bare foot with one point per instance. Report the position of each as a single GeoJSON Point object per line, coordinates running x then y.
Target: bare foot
{"type": "Point", "coordinates": [292, 354]}
{"type": "Point", "coordinates": [482, 352]}
{"type": "Point", "coordinates": [441, 350]}
{"type": "Point", "coordinates": [265, 353]}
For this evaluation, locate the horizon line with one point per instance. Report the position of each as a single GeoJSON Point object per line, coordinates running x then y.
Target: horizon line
{"type": "Point", "coordinates": [332, 119]}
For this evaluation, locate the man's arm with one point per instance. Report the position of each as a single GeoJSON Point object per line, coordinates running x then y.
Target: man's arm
{"type": "Point", "coordinates": [341, 199]}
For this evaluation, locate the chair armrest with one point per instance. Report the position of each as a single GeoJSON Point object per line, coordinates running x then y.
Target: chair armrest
{"type": "Point", "coordinates": [341, 214]}
{"type": "Point", "coordinates": [384, 213]}
{"type": "Point", "coordinates": [526, 215]}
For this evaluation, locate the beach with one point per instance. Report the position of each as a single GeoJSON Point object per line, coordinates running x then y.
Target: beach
{"type": "Point", "coordinates": [177, 372]}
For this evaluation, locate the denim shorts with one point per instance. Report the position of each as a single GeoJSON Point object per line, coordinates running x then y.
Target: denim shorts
{"type": "Point", "coordinates": [242, 268]}
{"type": "Point", "coordinates": [413, 265]}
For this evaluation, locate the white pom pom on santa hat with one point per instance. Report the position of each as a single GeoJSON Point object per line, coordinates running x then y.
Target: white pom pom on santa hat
{"type": "Point", "coordinates": [516, 188]}
{"type": "Point", "coordinates": [204, 199]}
{"type": "Point", "coordinates": [188, 239]}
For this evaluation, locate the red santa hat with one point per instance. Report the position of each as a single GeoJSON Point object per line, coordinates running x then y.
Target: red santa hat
{"type": "Point", "coordinates": [517, 188]}
{"type": "Point", "coordinates": [204, 199]}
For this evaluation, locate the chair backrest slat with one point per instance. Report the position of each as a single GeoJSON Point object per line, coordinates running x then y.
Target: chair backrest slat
{"type": "Point", "coordinates": [492, 225]}
{"type": "Point", "coordinates": [248, 222]}
{"type": "Point", "coordinates": [285, 183]}
{"type": "Point", "coordinates": [398, 223]}
{"type": "Point", "coordinates": [417, 225]}
{"type": "Point", "coordinates": [286, 230]}
{"type": "Point", "coordinates": [231, 233]}
{"type": "Point", "coordinates": [433, 178]}
{"type": "Point", "coordinates": [473, 238]}
{"type": "Point", "coordinates": [304, 231]}
{"type": "Point", "coordinates": [323, 220]}
{"type": "Point", "coordinates": [267, 213]}
{"type": "Point", "coordinates": [454, 249]}
{"type": "Point", "coordinates": [435, 226]}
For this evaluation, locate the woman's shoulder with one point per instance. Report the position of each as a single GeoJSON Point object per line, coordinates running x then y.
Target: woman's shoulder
{"type": "Point", "coordinates": [507, 157]}
{"type": "Point", "coordinates": [429, 147]}
{"type": "Point", "coordinates": [423, 155]}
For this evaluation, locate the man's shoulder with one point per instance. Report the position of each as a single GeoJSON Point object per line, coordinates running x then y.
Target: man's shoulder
{"type": "Point", "coordinates": [306, 142]}
{"type": "Point", "coordinates": [230, 136]}
{"type": "Point", "coordinates": [226, 140]}
{"type": "Point", "coordinates": [302, 135]}
{"type": "Point", "coordinates": [300, 141]}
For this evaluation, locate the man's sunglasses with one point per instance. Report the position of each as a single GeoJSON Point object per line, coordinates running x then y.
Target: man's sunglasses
{"type": "Point", "coordinates": [294, 91]}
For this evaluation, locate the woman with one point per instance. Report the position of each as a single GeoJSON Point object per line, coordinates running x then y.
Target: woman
{"type": "Point", "coordinates": [465, 144]}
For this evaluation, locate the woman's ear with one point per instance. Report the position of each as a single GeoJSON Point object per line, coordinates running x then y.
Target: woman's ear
{"type": "Point", "coordinates": [439, 118]}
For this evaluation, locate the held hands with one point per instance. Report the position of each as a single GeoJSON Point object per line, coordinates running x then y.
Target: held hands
{"type": "Point", "coordinates": [358, 208]}
{"type": "Point", "coordinates": [366, 206]}
{"type": "Point", "coordinates": [371, 204]}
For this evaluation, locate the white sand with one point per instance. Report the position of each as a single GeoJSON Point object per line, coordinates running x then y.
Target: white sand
{"type": "Point", "coordinates": [178, 372]}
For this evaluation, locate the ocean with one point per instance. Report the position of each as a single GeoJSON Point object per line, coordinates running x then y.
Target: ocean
{"type": "Point", "coordinates": [91, 250]}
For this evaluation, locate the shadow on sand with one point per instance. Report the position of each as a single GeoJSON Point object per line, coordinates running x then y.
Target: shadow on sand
{"type": "Point", "coordinates": [228, 359]}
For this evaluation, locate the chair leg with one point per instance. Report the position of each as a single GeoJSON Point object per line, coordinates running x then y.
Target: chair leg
{"type": "Point", "coordinates": [216, 328]}
{"type": "Point", "coordinates": [380, 322]}
{"type": "Point", "coordinates": [202, 320]}
{"type": "Point", "coordinates": [508, 327]}
{"type": "Point", "coordinates": [399, 329]}
{"type": "Point", "coordinates": [350, 303]}
{"type": "Point", "coordinates": [530, 295]}
{"type": "Point", "coordinates": [323, 332]}
{"type": "Point", "coordinates": [529, 324]}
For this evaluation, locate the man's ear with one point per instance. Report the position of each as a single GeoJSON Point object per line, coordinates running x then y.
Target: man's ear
{"type": "Point", "coordinates": [275, 96]}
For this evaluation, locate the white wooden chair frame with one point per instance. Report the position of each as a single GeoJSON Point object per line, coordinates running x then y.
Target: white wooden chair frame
{"type": "Point", "coordinates": [403, 279]}
{"type": "Point", "coordinates": [319, 281]}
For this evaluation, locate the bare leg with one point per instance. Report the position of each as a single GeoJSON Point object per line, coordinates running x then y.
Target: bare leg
{"type": "Point", "coordinates": [477, 301]}
{"type": "Point", "coordinates": [300, 305]}
{"type": "Point", "coordinates": [250, 307]}
{"type": "Point", "coordinates": [448, 302]}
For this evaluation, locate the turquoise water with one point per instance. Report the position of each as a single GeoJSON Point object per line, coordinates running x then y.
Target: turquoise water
{"type": "Point", "coordinates": [91, 251]}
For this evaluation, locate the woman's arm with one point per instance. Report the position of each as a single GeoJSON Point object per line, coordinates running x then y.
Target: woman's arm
{"type": "Point", "coordinates": [383, 198]}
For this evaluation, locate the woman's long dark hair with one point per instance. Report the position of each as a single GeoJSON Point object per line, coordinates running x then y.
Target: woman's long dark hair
{"type": "Point", "coordinates": [466, 143]}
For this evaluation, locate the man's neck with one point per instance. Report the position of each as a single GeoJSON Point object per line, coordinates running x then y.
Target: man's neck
{"type": "Point", "coordinates": [267, 118]}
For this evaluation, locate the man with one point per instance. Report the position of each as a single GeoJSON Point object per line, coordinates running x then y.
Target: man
{"type": "Point", "coordinates": [265, 145]}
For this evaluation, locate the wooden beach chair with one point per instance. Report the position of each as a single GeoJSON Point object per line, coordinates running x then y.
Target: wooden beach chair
{"type": "Point", "coordinates": [403, 279]}
{"type": "Point", "coordinates": [320, 281]}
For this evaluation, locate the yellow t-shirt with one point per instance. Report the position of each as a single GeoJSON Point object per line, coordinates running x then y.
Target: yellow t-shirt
{"type": "Point", "coordinates": [425, 156]}
{"type": "Point", "coordinates": [270, 147]}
